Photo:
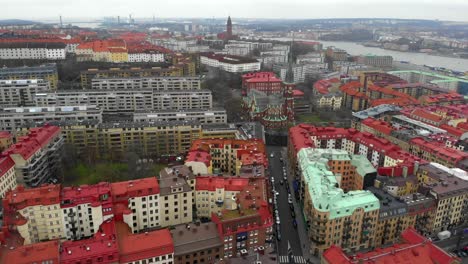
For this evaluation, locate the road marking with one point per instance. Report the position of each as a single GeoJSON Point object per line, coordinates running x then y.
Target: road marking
{"type": "Point", "coordinates": [297, 259]}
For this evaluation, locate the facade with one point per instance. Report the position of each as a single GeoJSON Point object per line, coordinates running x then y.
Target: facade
{"type": "Point", "coordinates": [154, 83]}
{"type": "Point", "coordinates": [94, 140]}
{"type": "Point", "coordinates": [208, 116]}
{"type": "Point", "coordinates": [46, 72]}
{"type": "Point", "coordinates": [135, 56]}
{"type": "Point", "coordinates": [17, 117]}
{"type": "Point", "coordinates": [37, 156]}
{"type": "Point", "coordinates": [6, 140]}
{"type": "Point", "coordinates": [124, 100]}
{"type": "Point", "coordinates": [15, 93]}
{"type": "Point", "coordinates": [234, 64]}
{"type": "Point", "coordinates": [434, 151]}
{"type": "Point", "coordinates": [35, 213]}
{"type": "Point", "coordinates": [413, 248]}
{"type": "Point", "coordinates": [301, 72]}
{"type": "Point", "coordinates": [7, 175]}
{"type": "Point", "coordinates": [376, 61]}
{"type": "Point", "coordinates": [87, 76]}
{"type": "Point", "coordinates": [84, 209]}
{"type": "Point", "coordinates": [199, 243]}
{"type": "Point", "coordinates": [226, 156]}
{"type": "Point", "coordinates": [32, 51]}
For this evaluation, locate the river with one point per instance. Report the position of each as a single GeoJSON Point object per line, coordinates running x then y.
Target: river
{"type": "Point", "coordinates": [352, 48]}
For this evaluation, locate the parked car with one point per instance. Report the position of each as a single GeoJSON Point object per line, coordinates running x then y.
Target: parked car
{"type": "Point", "coordinates": [281, 182]}
{"type": "Point", "coordinates": [294, 223]}
{"type": "Point", "coordinates": [272, 155]}
{"type": "Point", "coordinates": [293, 214]}
{"type": "Point", "coordinates": [290, 200]}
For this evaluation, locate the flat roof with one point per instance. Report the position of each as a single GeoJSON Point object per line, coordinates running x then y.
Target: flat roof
{"type": "Point", "coordinates": [195, 238]}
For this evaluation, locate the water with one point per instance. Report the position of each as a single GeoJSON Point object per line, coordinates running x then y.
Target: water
{"type": "Point", "coordinates": [352, 48]}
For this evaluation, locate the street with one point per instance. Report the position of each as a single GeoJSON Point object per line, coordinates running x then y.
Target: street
{"type": "Point", "coordinates": [288, 233]}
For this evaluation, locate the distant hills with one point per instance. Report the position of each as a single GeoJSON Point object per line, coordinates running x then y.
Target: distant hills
{"type": "Point", "coordinates": [17, 22]}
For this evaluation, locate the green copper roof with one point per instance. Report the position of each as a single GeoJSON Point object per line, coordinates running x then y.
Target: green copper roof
{"type": "Point", "coordinates": [362, 164]}
{"type": "Point", "coordinates": [323, 186]}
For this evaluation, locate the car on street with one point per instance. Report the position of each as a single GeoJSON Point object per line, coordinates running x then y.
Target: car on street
{"type": "Point", "coordinates": [278, 236]}
{"type": "Point", "coordinates": [291, 206]}
{"type": "Point", "coordinates": [294, 223]}
{"type": "Point", "coordinates": [272, 155]}
{"type": "Point", "coordinates": [285, 178]}
{"type": "Point", "coordinates": [281, 182]}
{"type": "Point", "coordinates": [276, 193]}
{"type": "Point", "coordinates": [293, 214]}
{"type": "Point", "coordinates": [278, 220]}
{"type": "Point", "coordinates": [281, 159]}
{"type": "Point", "coordinates": [290, 200]}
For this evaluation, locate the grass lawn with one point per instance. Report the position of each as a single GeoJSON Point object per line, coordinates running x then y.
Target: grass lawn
{"type": "Point", "coordinates": [107, 172]}
{"type": "Point", "coordinates": [309, 118]}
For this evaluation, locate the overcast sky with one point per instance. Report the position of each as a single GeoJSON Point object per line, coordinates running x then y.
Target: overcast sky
{"type": "Point", "coordinates": [455, 10]}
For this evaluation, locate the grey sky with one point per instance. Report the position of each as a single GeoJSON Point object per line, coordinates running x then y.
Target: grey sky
{"type": "Point", "coordinates": [455, 10]}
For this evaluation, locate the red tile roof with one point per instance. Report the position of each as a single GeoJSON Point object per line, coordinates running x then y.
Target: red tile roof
{"type": "Point", "coordinates": [453, 130]}
{"type": "Point", "coordinates": [42, 252]}
{"type": "Point", "coordinates": [415, 249]}
{"type": "Point", "coordinates": [6, 163]}
{"type": "Point", "coordinates": [5, 134]}
{"type": "Point", "coordinates": [96, 195]}
{"type": "Point", "coordinates": [134, 247]}
{"type": "Point", "coordinates": [211, 183]}
{"type": "Point", "coordinates": [21, 198]}
{"type": "Point", "coordinates": [378, 125]}
{"type": "Point", "coordinates": [102, 245]}
{"type": "Point", "coordinates": [31, 143]}
{"type": "Point", "coordinates": [122, 191]}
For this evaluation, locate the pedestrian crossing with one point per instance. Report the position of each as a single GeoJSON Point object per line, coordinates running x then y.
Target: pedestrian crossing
{"type": "Point", "coordinates": [297, 259]}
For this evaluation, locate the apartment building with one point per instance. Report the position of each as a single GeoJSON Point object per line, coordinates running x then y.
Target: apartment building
{"type": "Point", "coordinates": [7, 175]}
{"type": "Point", "coordinates": [434, 151]}
{"type": "Point", "coordinates": [37, 156]}
{"type": "Point", "coordinates": [112, 141]}
{"type": "Point", "coordinates": [108, 101]}
{"type": "Point", "coordinates": [266, 82]}
{"type": "Point", "coordinates": [176, 203]}
{"type": "Point", "coordinates": [207, 116]}
{"type": "Point", "coordinates": [412, 247]}
{"type": "Point", "coordinates": [179, 100]}
{"type": "Point", "coordinates": [87, 76]}
{"type": "Point", "coordinates": [333, 216]}
{"type": "Point", "coordinates": [226, 156]}
{"type": "Point", "coordinates": [376, 61]}
{"type": "Point", "coordinates": [247, 225]}
{"type": "Point", "coordinates": [136, 56]}
{"type": "Point", "coordinates": [32, 51]}
{"type": "Point", "coordinates": [197, 243]}
{"type": "Point", "coordinates": [14, 93]}
{"type": "Point", "coordinates": [47, 72]}
{"type": "Point", "coordinates": [450, 190]}
{"type": "Point", "coordinates": [12, 118]}
{"type": "Point", "coordinates": [35, 213]}
{"type": "Point", "coordinates": [154, 83]}
{"type": "Point", "coordinates": [229, 63]}
{"type": "Point", "coordinates": [442, 81]}
{"type": "Point", "coordinates": [84, 209]}
{"type": "Point", "coordinates": [397, 213]}
{"type": "Point", "coordinates": [139, 202]}
{"type": "Point", "coordinates": [213, 194]}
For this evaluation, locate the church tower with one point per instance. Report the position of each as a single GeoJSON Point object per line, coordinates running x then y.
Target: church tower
{"type": "Point", "coordinates": [229, 28]}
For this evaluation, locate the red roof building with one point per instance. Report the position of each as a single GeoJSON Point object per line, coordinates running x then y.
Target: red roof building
{"type": "Point", "coordinates": [266, 82]}
{"type": "Point", "coordinates": [122, 191]}
{"type": "Point", "coordinates": [414, 248]}
{"type": "Point", "coordinates": [43, 252]}
{"type": "Point", "coordinates": [150, 247]}
{"type": "Point", "coordinates": [100, 248]}
{"type": "Point", "coordinates": [95, 195]}
{"type": "Point", "coordinates": [213, 183]}
{"type": "Point", "coordinates": [442, 99]}
{"type": "Point", "coordinates": [380, 126]}
{"type": "Point", "coordinates": [438, 152]}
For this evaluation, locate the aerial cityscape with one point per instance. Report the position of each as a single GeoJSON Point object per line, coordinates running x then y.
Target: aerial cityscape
{"type": "Point", "coordinates": [213, 135]}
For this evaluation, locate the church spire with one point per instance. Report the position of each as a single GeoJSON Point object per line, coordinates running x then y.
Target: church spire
{"type": "Point", "coordinates": [229, 28]}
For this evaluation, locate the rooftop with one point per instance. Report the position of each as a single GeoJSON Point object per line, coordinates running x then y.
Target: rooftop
{"type": "Point", "coordinates": [413, 249]}
{"type": "Point", "coordinates": [134, 188]}
{"type": "Point", "coordinates": [322, 185]}
{"type": "Point", "coordinates": [377, 111]}
{"type": "Point", "coordinates": [195, 238]}
{"type": "Point", "coordinates": [230, 59]}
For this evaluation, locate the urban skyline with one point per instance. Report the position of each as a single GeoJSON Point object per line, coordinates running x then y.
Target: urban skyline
{"type": "Point", "coordinates": [453, 10]}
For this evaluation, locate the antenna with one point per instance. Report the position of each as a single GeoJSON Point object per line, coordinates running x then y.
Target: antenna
{"type": "Point", "coordinates": [61, 23]}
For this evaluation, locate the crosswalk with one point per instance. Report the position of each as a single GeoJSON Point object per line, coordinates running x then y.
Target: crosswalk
{"type": "Point", "coordinates": [297, 259]}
